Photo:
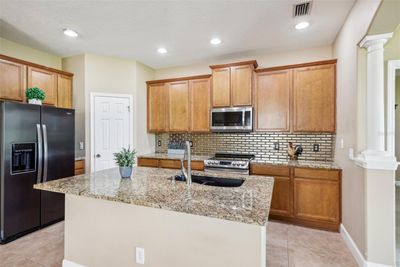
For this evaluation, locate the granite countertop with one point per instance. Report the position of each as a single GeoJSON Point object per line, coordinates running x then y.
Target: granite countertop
{"type": "Point", "coordinates": [330, 165]}
{"type": "Point", "coordinates": [150, 187]}
{"type": "Point", "coordinates": [173, 156]}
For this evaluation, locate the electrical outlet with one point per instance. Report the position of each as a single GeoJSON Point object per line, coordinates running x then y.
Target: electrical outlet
{"type": "Point", "coordinates": [159, 143]}
{"type": "Point", "coordinates": [139, 255]}
{"type": "Point", "coordinates": [276, 146]}
{"type": "Point", "coordinates": [341, 143]}
{"type": "Point", "coordinates": [316, 147]}
{"type": "Point", "coordinates": [81, 146]}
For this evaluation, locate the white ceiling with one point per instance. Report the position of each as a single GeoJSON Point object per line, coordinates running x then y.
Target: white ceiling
{"type": "Point", "coordinates": [135, 29]}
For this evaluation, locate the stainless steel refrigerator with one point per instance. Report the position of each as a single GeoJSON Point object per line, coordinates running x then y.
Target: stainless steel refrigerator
{"type": "Point", "coordinates": [36, 145]}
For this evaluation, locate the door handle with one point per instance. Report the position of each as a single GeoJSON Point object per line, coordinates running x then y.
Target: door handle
{"type": "Point", "coordinates": [98, 156]}
{"type": "Point", "coordinates": [45, 153]}
{"type": "Point", "coordinates": [40, 155]}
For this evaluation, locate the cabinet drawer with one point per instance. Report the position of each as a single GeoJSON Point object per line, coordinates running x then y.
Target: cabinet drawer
{"type": "Point", "coordinates": [269, 170]}
{"type": "Point", "coordinates": [197, 165]}
{"type": "Point", "coordinates": [79, 171]}
{"type": "Point", "coordinates": [170, 163]}
{"type": "Point", "coordinates": [317, 173]}
{"type": "Point", "coordinates": [146, 162]}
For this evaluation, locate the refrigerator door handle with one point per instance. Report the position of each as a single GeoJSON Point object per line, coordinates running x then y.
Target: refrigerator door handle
{"type": "Point", "coordinates": [40, 153]}
{"type": "Point", "coordinates": [45, 153]}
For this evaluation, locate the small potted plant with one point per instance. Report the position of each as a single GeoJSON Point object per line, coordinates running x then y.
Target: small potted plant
{"type": "Point", "coordinates": [125, 160]}
{"type": "Point", "coordinates": [35, 95]}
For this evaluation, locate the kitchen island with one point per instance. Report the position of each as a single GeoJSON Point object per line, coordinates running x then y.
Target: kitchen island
{"type": "Point", "coordinates": [107, 218]}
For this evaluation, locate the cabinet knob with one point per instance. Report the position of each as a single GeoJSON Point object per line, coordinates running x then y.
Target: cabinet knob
{"type": "Point", "coordinates": [98, 156]}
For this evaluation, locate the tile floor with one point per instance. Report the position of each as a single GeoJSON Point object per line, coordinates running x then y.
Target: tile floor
{"type": "Point", "coordinates": [288, 245]}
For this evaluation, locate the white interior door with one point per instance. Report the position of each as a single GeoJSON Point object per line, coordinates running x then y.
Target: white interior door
{"type": "Point", "coordinates": [112, 126]}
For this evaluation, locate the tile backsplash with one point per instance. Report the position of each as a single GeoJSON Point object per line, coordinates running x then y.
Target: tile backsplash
{"type": "Point", "coordinates": [259, 143]}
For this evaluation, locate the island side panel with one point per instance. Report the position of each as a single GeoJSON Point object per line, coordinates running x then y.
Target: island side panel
{"type": "Point", "coordinates": [105, 233]}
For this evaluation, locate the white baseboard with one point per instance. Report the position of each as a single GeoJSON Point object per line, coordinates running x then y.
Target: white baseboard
{"type": "Point", "coordinates": [358, 256]}
{"type": "Point", "coordinates": [67, 263]}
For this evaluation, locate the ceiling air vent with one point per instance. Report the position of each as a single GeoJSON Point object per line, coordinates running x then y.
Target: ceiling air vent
{"type": "Point", "coordinates": [302, 9]}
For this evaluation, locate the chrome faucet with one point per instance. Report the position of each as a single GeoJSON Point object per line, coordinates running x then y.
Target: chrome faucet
{"type": "Point", "coordinates": [187, 173]}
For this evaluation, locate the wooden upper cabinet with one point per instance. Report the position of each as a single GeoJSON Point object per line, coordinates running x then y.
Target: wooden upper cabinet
{"type": "Point", "coordinates": [314, 99]}
{"type": "Point", "coordinates": [241, 84]}
{"type": "Point", "coordinates": [64, 92]}
{"type": "Point", "coordinates": [45, 80]}
{"type": "Point", "coordinates": [178, 106]}
{"type": "Point", "coordinates": [272, 100]}
{"type": "Point", "coordinates": [157, 97]}
{"type": "Point", "coordinates": [12, 80]}
{"type": "Point", "coordinates": [221, 87]}
{"type": "Point", "coordinates": [200, 105]}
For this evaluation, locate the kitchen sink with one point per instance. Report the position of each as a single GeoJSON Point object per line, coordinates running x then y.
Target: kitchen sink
{"type": "Point", "coordinates": [212, 181]}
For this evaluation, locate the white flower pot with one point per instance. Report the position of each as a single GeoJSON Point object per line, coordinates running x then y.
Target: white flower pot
{"type": "Point", "coordinates": [35, 101]}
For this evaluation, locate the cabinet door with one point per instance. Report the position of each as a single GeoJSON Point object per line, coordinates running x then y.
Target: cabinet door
{"type": "Point", "coordinates": [317, 199]}
{"type": "Point", "coordinates": [272, 101]}
{"type": "Point", "coordinates": [314, 99]}
{"type": "Point", "coordinates": [221, 87]}
{"type": "Point", "coordinates": [281, 203]}
{"type": "Point", "coordinates": [64, 91]}
{"type": "Point", "coordinates": [157, 97]}
{"type": "Point", "coordinates": [178, 106]}
{"type": "Point", "coordinates": [241, 84]}
{"type": "Point", "coordinates": [45, 80]}
{"type": "Point", "coordinates": [12, 80]}
{"type": "Point", "coordinates": [200, 103]}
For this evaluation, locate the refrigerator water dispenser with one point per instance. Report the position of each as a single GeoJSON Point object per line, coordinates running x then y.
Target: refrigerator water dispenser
{"type": "Point", "coordinates": [23, 158]}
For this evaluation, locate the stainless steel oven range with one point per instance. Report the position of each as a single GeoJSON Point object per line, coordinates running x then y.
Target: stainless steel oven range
{"type": "Point", "coordinates": [229, 162]}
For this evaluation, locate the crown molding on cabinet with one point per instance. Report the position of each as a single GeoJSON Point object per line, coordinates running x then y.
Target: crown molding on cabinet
{"type": "Point", "coordinates": [308, 64]}
{"type": "Point", "coordinates": [241, 63]}
{"type": "Point", "coordinates": [27, 63]}
{"type": "Point", "coordinates": [206, 76]}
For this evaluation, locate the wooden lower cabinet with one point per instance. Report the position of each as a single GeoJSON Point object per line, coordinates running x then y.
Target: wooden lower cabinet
{"type": "Point", "coordinates": [79, 166]}
{"type": "Point", "coordinates": [309, 197]}
{"type": "Point", "coordinates": [197, 165]}
{"type": "Point", "coordinates": [281, 197]}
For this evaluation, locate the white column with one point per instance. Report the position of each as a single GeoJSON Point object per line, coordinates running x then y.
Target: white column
{"type": "Point", "coordinates": [375, 91]}
{"type": "Point", "coordinates": [375, 155]}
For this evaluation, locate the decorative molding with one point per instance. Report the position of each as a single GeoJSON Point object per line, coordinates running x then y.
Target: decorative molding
{"type": "Point", "coordinates": [376, 160]}
{"type": "Point", "coordinates": [30, 64]}
{"type": "Point", "coordinates": [67, 263]}
{"type": "Point", "coordinates": [249, 62]}
{"type": "Point", "coordinates": [206, 76]}
{"type": "Point", "coordinates": [370, 40]}
{"type": "Point", "coordinates": [358, 256]}
{"type": "Point", "coordinates": [302, 65]}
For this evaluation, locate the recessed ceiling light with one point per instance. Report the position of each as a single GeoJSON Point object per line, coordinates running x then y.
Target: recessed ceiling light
{"type": "Point", "coordinates": [302, 25]}
{"type": "Point", "coordinates": [162, 50]}
{"type": "Point", "coordinates": [70, 33]}
{"type": "Point", "coordinates": [215, 41]}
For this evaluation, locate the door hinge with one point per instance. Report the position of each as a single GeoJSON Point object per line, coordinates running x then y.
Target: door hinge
{"type": "Point", "coordinates": [129, 108]}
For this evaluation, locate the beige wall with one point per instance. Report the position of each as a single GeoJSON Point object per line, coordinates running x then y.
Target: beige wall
{"type": "Point", "coordinates": [264, 60]}
{"type": "Point", "coordinates": [106, 233]}
{"type": "Point", "coordinates": [76, 65]}
{"type": "Point", "coordinates": [346, 51]}
{"type": "Point", "coordinates": [105, 74]}
{"type": "Point", "coordinates": [29, 54]}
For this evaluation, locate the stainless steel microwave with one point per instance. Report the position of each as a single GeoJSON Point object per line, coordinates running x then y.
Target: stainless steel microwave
{"type": "Point", "coordinates": [238, 119]}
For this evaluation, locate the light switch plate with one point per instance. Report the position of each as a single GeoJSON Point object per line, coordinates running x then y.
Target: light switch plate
{"type": "Point", "coordinates": [139, 255]}
{"type": "Point", "coordinates": [81, 146]}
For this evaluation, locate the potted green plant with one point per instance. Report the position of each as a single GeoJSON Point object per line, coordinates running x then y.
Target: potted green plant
{"type": "Point", "coordinates": [125, 159]}
{"type": "Point", "coordinates": [35, 95]}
